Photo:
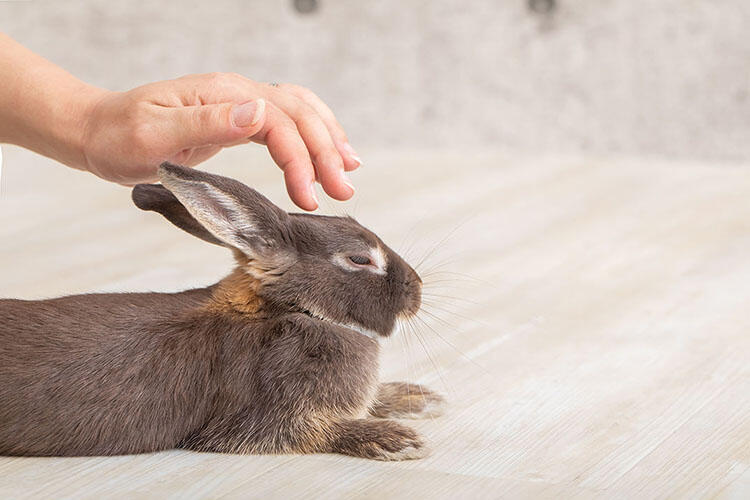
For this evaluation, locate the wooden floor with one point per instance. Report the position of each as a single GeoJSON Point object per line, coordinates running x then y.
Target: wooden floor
{"type": "Point", "coordinates": [588, 320]}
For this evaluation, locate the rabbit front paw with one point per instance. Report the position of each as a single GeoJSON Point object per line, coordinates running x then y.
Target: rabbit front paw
{"type": "Point", "coordinates": [402, 400]}
{"type": "Point", "coordinates": [378, 440]}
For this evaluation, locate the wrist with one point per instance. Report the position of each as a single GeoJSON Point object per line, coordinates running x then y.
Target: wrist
{"type": "Point", "coordinates": [68, 132]}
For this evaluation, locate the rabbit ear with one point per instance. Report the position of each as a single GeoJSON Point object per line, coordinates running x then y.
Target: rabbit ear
{"type": "Point", "coordinates": [233, 213]}
{"type": "Point", "coordinates": [156, 198]}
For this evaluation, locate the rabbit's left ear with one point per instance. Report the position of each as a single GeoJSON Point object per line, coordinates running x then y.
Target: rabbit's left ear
{"type": "Point", "coordinates": [233, 213]}
{"type": "Point", "coordinates": [157, 198]}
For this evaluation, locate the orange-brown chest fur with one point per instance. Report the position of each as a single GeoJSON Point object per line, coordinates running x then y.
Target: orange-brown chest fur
{"type": "Point", "coordinates": [238, 292]}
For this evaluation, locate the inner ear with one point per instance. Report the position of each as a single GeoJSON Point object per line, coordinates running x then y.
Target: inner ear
{"type": "Point", "coordinates": [233, 213]}
{"type": "Point", "coordinates": [157, 198]}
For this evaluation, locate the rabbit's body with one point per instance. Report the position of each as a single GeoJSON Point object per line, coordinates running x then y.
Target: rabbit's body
{"type": "Point", "coordinates": [84, 375]}
{"type": "Point", "coordinates": [258, 363]}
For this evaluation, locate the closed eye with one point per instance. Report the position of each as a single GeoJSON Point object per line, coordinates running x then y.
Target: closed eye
{"type": "Point", "coordinates": [360, 260]}
{"type": "Point", "coordinates": [374, 261]}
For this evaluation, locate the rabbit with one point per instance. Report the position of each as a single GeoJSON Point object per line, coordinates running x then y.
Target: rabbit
{"type": "Point", "coordinates": [280, 356]}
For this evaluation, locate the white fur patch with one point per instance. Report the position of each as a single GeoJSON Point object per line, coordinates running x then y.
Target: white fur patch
{"type": "Point", "coordinates": [351, 326]}
{"type": "Point", "coordinates": [378, 258]}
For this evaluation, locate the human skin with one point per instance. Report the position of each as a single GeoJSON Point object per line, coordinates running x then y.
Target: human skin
{"type": "Point", "coordinates": [123, 136]}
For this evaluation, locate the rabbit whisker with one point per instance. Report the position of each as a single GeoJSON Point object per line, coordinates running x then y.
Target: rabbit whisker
{"type": "Point", "coordinates": [403, 340]}
{"type": "Point", "coordinates": [440, 320]}
{"type": "Point", "coordinates": [457, 275]}
{"type": "Point", "coordinates": [414, 378]}
{"type": "Point", "coordinates": [448, 297]}
{"type": "Point", "coordinates": [431, 359]}
{"type": "Point", "coordinates": [459, 351]}
{"type": "Point", "coordinates": [438, 309]}
{"type": "Point", "coordinates": [410, 234]}
{"type": "Point", "coordinates": [442, 241]}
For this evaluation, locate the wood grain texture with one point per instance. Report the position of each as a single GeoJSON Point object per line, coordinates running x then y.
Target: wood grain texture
{"type": "Point", "coordinates": [589, 324]}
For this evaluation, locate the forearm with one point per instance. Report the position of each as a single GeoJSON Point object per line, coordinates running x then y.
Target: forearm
{"type": "Point", "coordinates": [42, 107]}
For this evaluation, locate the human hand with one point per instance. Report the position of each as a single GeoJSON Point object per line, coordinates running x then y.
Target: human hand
{"type": "Point", "coordinates": [188, 120]}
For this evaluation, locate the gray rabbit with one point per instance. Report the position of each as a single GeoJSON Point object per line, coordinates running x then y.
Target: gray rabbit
{"type": "Point", "coordinates": [278, 357]}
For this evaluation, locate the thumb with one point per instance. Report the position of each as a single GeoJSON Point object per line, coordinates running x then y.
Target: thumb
{"type": "Point", "coordinates": [215, 124]}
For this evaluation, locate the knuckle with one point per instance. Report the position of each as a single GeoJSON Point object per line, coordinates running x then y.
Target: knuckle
{"type": "Point", "coordinates": [327, 157]}
{"type": "Point", "coordinates": [299, 91]}
{"type": "Point", "coordinates": [288, 127]}
{"type": "Point", "coordinates": [305, 93]}
{"type": "Point", "coordinates": [214, 76]}
{"type": "Point", "coordinates": [306, 115]}
{"type": "Point", "coordinates": [206, 116]}
{"type": "Point", "coordinates": [298, 109]}
{"type": "Point", "coordinates": [287, 165]}
{"type": "Point", "coordinates": [222, 80]}
{"type": "Point", "coordinates": [234, 77]}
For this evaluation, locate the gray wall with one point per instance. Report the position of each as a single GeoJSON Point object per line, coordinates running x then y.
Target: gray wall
{"type": "Point", "coordinates": [633, 77]}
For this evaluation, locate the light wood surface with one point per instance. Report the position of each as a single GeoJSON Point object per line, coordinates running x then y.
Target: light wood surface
{"type": "Point", "coordinates": [590, 325]}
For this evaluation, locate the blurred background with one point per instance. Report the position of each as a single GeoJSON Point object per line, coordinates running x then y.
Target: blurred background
{"type": "Point", "coordinates": [622, 77]}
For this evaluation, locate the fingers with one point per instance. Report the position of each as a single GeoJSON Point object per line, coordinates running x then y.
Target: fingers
{"type": "Point", "coordinates": [301, 133]}
{"type": "Point", "coordinates": [349, 156]}
{"type": "Point", "coordinates": [194, 129]}
{"type": "Point", "coordinates": [301, 187]}
{"type": "Point", "coordinates": [326, 158]}
{"type": "Point", "coordinates": [290, 153]}
{"type": "Point", "coordinates": [213, 124]}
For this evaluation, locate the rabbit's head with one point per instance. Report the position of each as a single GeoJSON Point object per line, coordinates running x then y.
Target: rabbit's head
{"type": "Point", "coordinates": [331, 268]}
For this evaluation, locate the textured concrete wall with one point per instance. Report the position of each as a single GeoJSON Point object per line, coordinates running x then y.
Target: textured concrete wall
{"type": "Point", "coordinates": [635, 77]}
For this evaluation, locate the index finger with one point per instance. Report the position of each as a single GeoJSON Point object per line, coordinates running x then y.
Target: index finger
{"type": "Point", "coordinates": [289, 151]}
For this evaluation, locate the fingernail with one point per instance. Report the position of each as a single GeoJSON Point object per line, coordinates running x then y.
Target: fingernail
{"type": "Point", "coordinates": [313, 193]}
{"type": "Point", "coordinates": [347, 181]}
{"type": "Point", "coordinates": [352, 154]}
{"type": "Point", "coordinates": [248, 114]}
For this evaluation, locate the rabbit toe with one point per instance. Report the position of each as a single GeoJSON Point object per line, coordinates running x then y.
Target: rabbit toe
{"type": "Point", "coordinates": [379, 440]}
{"type": "Point", "coordinates": [402, 400]}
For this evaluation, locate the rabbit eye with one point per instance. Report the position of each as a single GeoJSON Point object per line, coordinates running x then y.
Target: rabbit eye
{"type": "Point", "coordinates": [374, 261]}
{"type": "Point", "coordinates": [360, 260]}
